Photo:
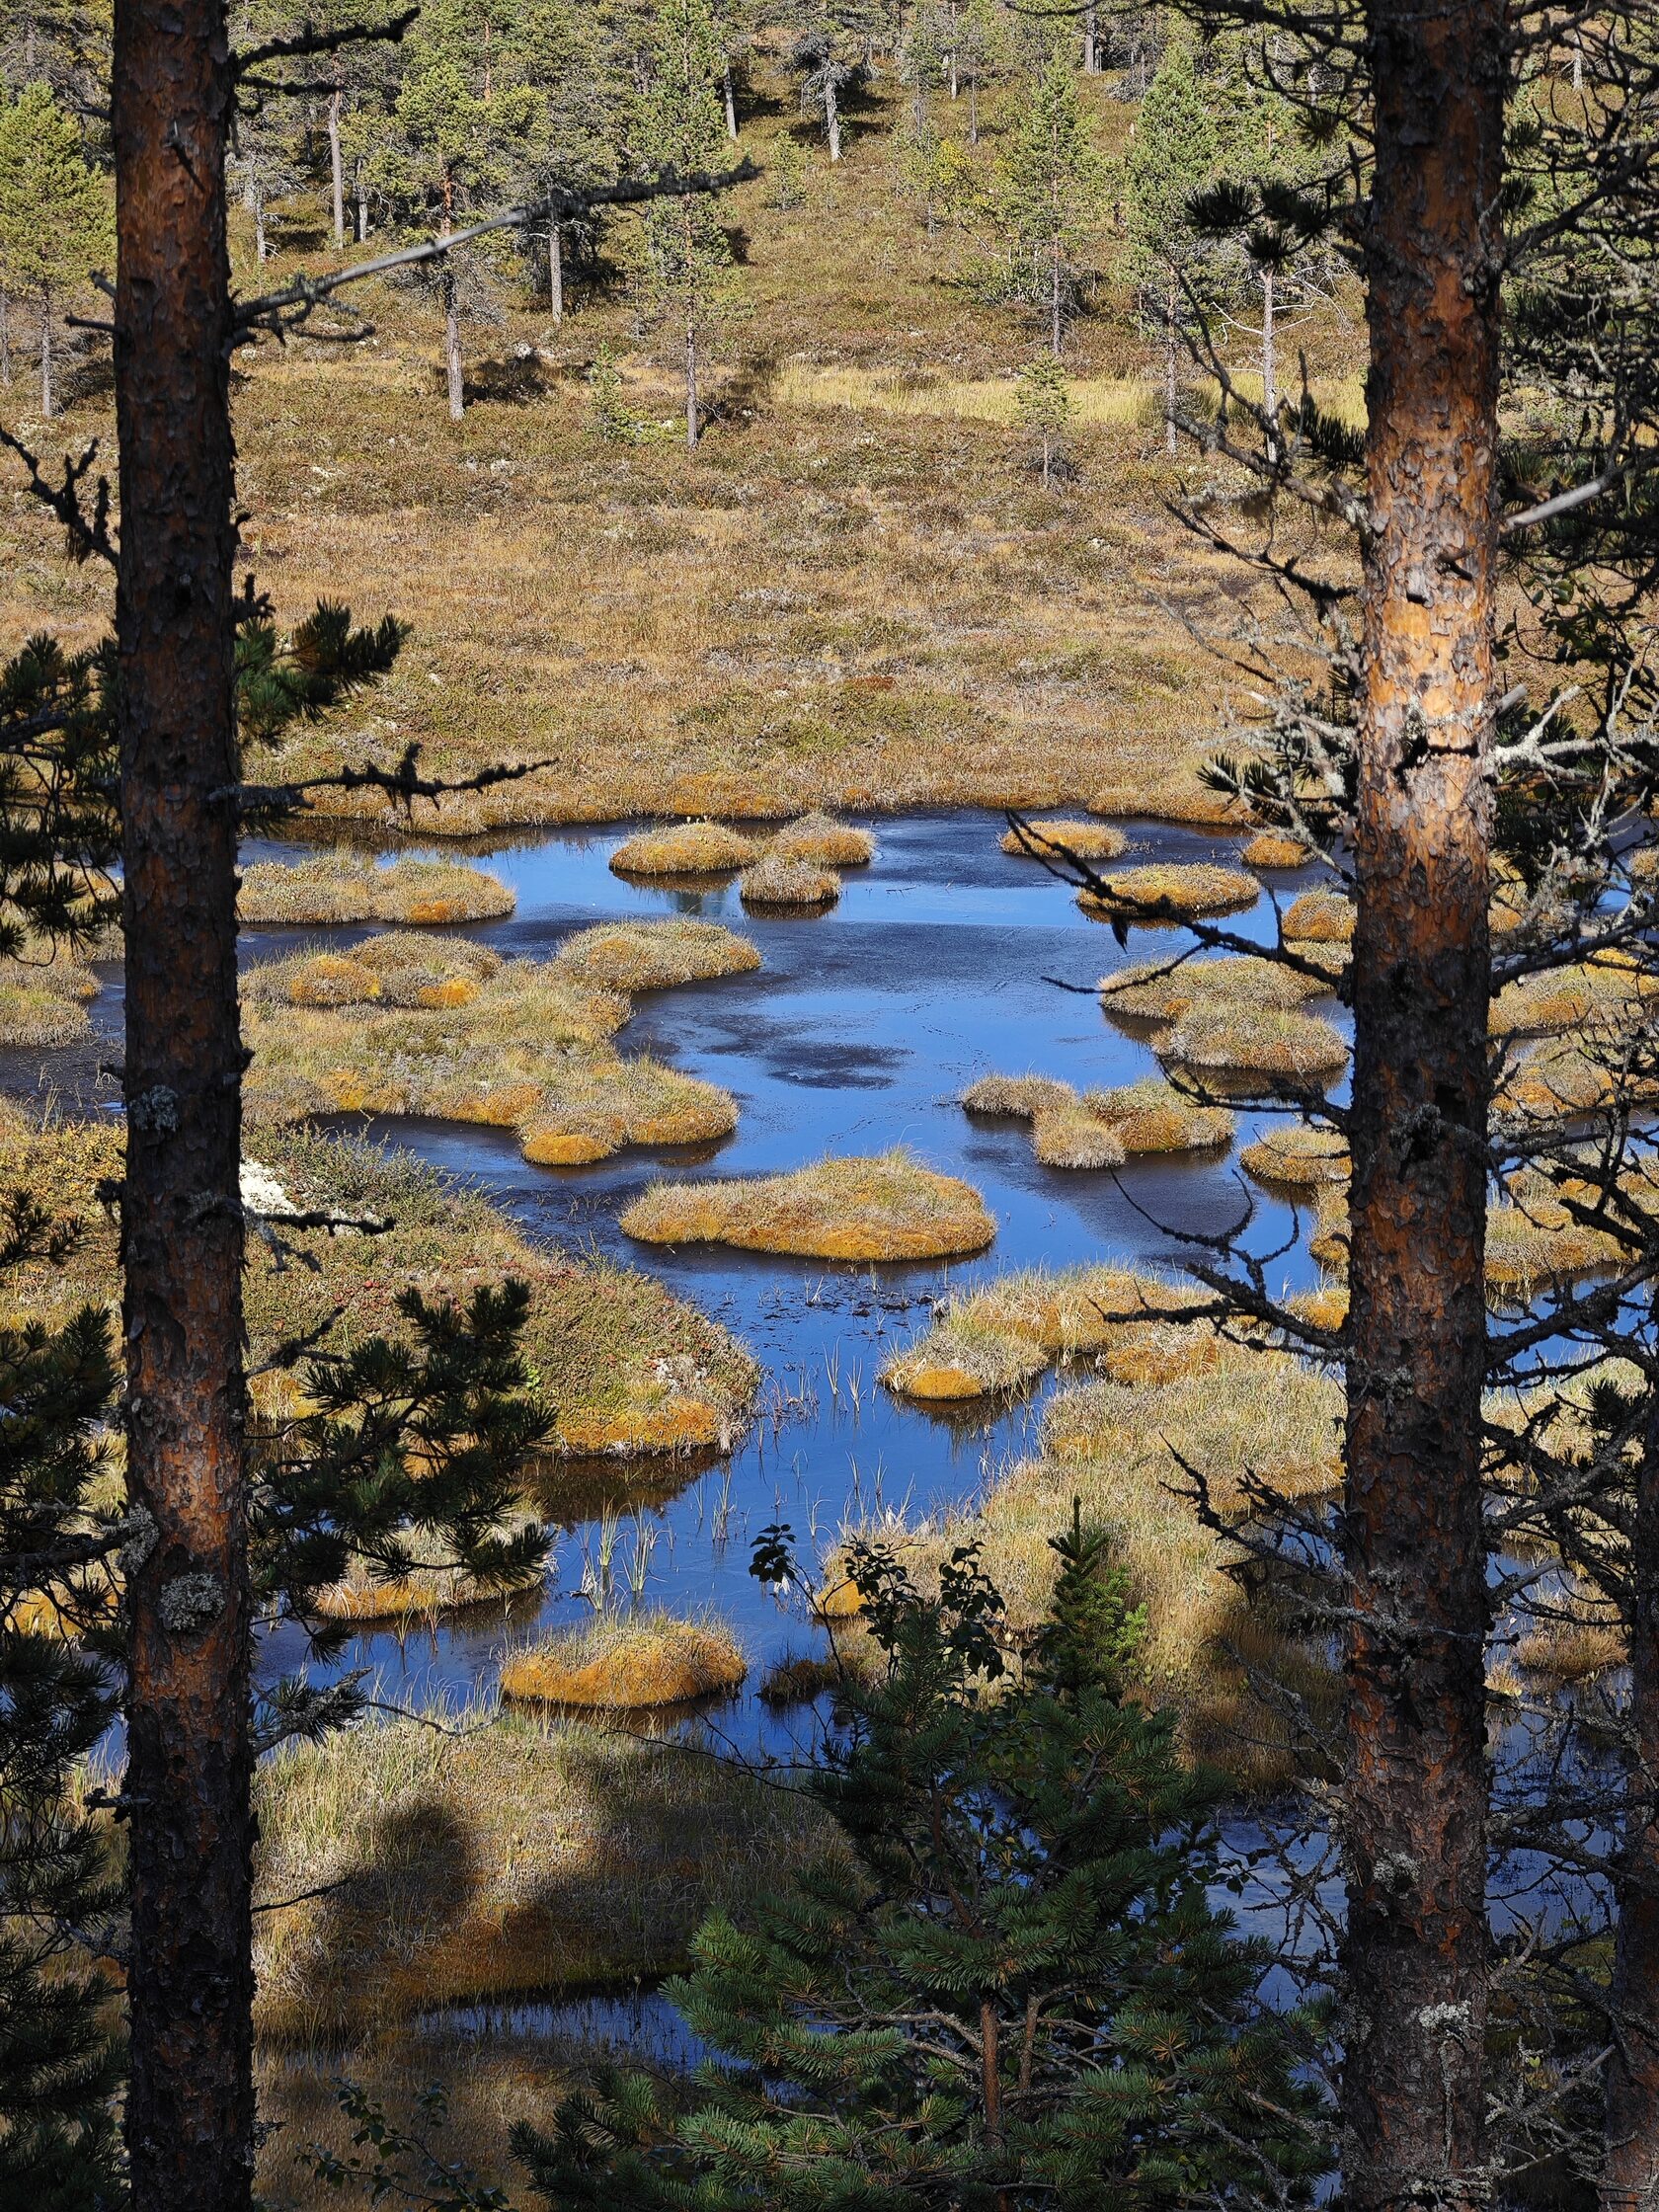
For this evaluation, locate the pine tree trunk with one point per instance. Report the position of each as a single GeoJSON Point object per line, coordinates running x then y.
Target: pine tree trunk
{"type": "Point", "coordinates": [1092, 38]}
{"type": "Point", "coordinates": [556, 271]}
{"type": "Point", "coordinates": [190, 2108]}
{"type": "Point", "coordinates": [832, 118]}
{"type": "Point", "coordinates": [337, 171]}
{"type": "Point", "coordinates": [1270, 365]}
{"type": "Point", "coordinates": [730, 89]}
{"type": "Point", "coordinates": [259, 249]}
{"type": "Point", "coordinates": [693, 424]}
{"type": "Point", "coordinates": [1414, 1953]}
{"type": "Point", "coordinates": [47, 406]}
{"type": "Point", "coordinates": [1170, 309]}
{"type": "Point", "coordinates": [452, 349]}
{"type": "Point", "coordinates": [5, 337]}
{"type": "Point", "coordinates": [1056, 331]}
{"type": "Point", "coordinates": [362, 204]}
{"type": "Point", "coordinates": [974, 109]}
{"type": "Point", "coordinates": [1630, 2178]}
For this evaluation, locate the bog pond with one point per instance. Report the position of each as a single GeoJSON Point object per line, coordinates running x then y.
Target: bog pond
{"type": "Point", "coordinates": [944, 960]}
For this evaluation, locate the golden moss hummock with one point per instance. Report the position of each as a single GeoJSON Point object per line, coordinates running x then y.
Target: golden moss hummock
{"type": "Point", "coordinates": [824, 841]}
{"type": "Point", "coordinates": [627, 1665]}
{"type": "Point", "coordinates": [1268, 1041]}
{"type": "Point", "coordinates": [1320, 918]}
{"type": "Point", "coordinates": [1086, 840]}
{"type": "Point", "coordinates": [1298, 1155]}
{"type": "Point", "coordinates": [655, 955]}
{"type": "Point", "coordinates": [886, 1208]}
{"type": "Point", "coordinates": [1156, 991]}
{"type": "Point", "coordinates": [687, 849]}
{"type": "Point", "coordinates": [1166, 892]}
{"type": "Point", "coordinates": [775, 880]}
{"type": "Point", "coordinates": [1269, 850]}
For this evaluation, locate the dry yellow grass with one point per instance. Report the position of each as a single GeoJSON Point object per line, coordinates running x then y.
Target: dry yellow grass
{"type": "Point", "coordinates": [1320, 918]}
{"type": "Point", "coordinates": [1571, 1650]}
{"type": "Point", "coordinates": [1154, 1116]}
{"type": "Point", "coordinates": [1564, 1078]}
{"type": "Point", "coordinates": [1085, 840]}
{"type": "Point", "coordinates": [1171, 891]}
{"type": "Point", "coordinates": [507, 1859]}
{"type": "Point", "coordinates": [889, 1207]}
{"type": "Point", "coordinates": [820, 839]}
{"type": "Point", "coordinates": [422, 1595]}
{"type": "Point", "coordinates": [1104, 1128]}
{"type": "Point", "coordinates": [1156, 991]}
{"type": "Point", "coordinates": [1179, 794]}
{"type": "Point", "coordinates": [1250, 1413]}
{"type": "Point", "coordinates": [1605, 994]}
{"type": "Point", "coordinates": [1003, 1336]}
{"type": "Point", "coordinates": [688, 849]}
{"type": "Point", "coordinates": [1533, 1240]}
{"type": "Point", "coordinates": [773, 882]}
{"type": "Point", "coordinates": [634, 956]}
{"type": "Point", "coordinates": [800, 1677]}
{"type": "Point", "coordinates": [1298, 1155]}
{"type": "Point", "coordinates": [44, 995]}
{"type": "Point", "coordinates": [627, 1665]}
{"type": "Point", "coordinates": [1269, 1041]}
{"type": "Point", "coordinates": [343, 887]}
{"type": "Point", "coordinates": [512, 1044]}
{"type": "Point", "coordinates": [628, 1367]}
{"type": "Point", "coordinates": [1268, 849]}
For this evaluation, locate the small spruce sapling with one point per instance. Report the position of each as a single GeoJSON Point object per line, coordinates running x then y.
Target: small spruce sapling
{"type": "Point", "coordinates": [54, 215]}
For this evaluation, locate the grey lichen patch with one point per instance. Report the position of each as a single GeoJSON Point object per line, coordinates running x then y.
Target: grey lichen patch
{"type": "Point", "coordinates": [155, 1112]}
{"type": "Point", "coordinates": [189, 1601]}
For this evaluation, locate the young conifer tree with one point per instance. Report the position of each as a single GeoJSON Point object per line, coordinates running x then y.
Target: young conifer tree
{"type": "Point", "coordinates": [1049, 193]}
{"type": "Point", "coordinates": [1009, 1987]}
{"type": "Point", "coordinates": [54, 215]}
{"type": "Point", "coordinates": [1171, 156]}
{"type": "Point", "coordinates": [687, 255]}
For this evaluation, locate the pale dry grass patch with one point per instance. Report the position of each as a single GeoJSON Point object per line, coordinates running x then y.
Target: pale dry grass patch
{"type": "Point", "coordinates": [686, 849]}
{"type": "Point", "coordinates": [1605, 993]}
{"type": "Point", "coordinates": [826, 843]}
{"type": "Point", "coordinates": [889, 1207]}
{"type": "Point", "coordinates": [1159, 992]}
{"type": "Point", "coordinates": [1269, 850]}
{"type": "Point", "coordinates": [1085, 840]}
{"type": "Point", "coordinates": [337, 887]}
{"type": "Point", "coordinates": [505, 1859]}
{"type": "Point", "coordinates": [1271, 1041]}
{"type": "Point", "coordinates": [775, 881]}
{"type": "Point", "coordinates": [1319, 917]}
{"type": "Point", "coordinates": [1298, 1155]}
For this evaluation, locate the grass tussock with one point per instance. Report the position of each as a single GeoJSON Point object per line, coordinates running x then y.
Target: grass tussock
{"type": "Point", "coordinates": [629, 1368]}
{"type": "Point", "coordinates": [776, 882]}
{"type": "Point", "coordinates": [1174, 892]}
{"type": "Point", "coordinates": [518, 1045]}
{"type": "Point", "coordinates": [1571, 1650]}
{"type": "Point", "coordinates": [1158, 992]}
{"type": "Point", "coordinates": [1162, 793]}
{"type": "Point", "coordinates": [1252, 1413]}
{"type": "Point", "coordinates": [1269, 850]}
{"type": "Point", "coordinates": [1605, 994]}
{"type": "Point", "coordinates": [1102, 1128]}
{"type": "Point", "coordinates": [630, 956]}
{"type": "Point", "coordinates": [1154, 1116]}
{"type": "Point", "coordinates": [1085, 840]}
{"type": "Point", "coordinates": [507, 1859]}
{"type": "Point", "coordinates": [1004, 1334]}
{"type": "Point", "coordinates": [1319, 917]}
{"type": "Point", "coordinates": [627, 1665]}
{"type": "Point", "coordinates": [889, 1207]}
{"type": "Point", "coordinates": [686, 849]}
{"type": "Point", "coordinates": [1299, 1155]}
{"type": "Point", "coordinates": [1534, 1239]}
{"type": "Point", "coordinates": [1564, 1078]}
{"type": "Point", "coordinates": [44, 992]}
{"type": "Point", "coordinates": [331, 887]}
{"type": "Point", "coordinates": [823, 842]}
{"type": "Point", "coordinates": [1265, 1041]}
{"type": "Point", "coordinates": [798, 1678]}
{"type": "Point", "coordinates": [424, 1595]}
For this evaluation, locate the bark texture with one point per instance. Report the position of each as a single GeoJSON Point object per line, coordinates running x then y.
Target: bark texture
{"type": "Point", "coordinates": [337, 168]}
{"type": "Point", "coordinates": [1631, 2180]}
{"type": "Point", "coordinates": [190, 2100]}
{"type": "Point", "coordinates": [1415, 1953]}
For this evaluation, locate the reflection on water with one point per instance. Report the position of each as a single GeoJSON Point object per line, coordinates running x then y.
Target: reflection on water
{"type": "Point", "coordinates": [946, 959]}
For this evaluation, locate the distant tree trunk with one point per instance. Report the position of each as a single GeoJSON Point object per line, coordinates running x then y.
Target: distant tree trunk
{"type": "Point", "coordinates": [257, 201]}
{"type": "Point", "coordinates": [1414, 1948]}
{"type": "Point", "coordinates": [974, 107]}
{"type": "Point", "coordinates": [1169, 330]}
{"type": "Point", "coordinates": [832, 118]}
{"type": "Point", "coordinates": [337, 171]}
{"type": "Point", "coordinates": [189, 2107]}
{"type": "Point", "coordinates": [452, 317]}
{"type": "Point", "coordinates": [1631, 2178]}
{"type": "Point", "coordinates": [47, 408]}
{"type": "Point", "coordinates": [1092, 38]}
{"type": "Point", "coordinates": [5, 337]}
{"type": "Point", "coordinates": [693, 424]}
{"type": "Point", "coordinates": [730, 89]}
{"type": "Point", "coordinates": [1270, 366]}
{"type": "Point", "coordinates": [955, 71]}
{"type": "Point", "coordinates": [363, 203]}
{"type": "Point", "coordinates": [1056, 331]}
{"type": "Point", "coordinates": [1578, 61]}
{"type": "Point", "coordinates": [556, 271]}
